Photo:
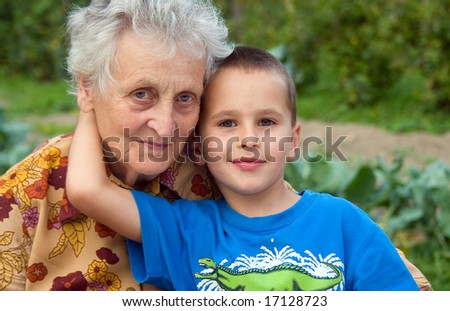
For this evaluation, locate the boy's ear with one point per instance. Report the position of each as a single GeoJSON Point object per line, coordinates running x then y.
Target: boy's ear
{"type": "Point", "coordinates": [294, 153]}
{"type": "Point", "coordinates": [84, 95]}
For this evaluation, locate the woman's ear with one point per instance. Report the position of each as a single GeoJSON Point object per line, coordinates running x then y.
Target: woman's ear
{"type": "Point", "coordinates": [294, 152]}
{"type": "Point", "coordinates": [84, 95]}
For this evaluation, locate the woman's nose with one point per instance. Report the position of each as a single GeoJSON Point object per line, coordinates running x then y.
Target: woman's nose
{"type": "Point", "coordinates": [161, 119]}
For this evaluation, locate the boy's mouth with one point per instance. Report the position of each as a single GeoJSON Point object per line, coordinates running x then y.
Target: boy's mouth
{"type": "Point", "coordinates": [248, 164]}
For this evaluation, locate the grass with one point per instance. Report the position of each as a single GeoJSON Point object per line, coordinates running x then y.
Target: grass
{"type": "Point", "coordinates": [23, 96]}
{"type": "Point", "coordinates": [30, 101]}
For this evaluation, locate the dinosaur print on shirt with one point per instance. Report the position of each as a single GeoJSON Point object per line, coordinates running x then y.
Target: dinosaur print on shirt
{"type": "Point", "coordinates": [284, 270]}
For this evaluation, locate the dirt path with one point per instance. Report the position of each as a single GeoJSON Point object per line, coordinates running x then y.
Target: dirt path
{"type": "Point", "coordinates": [366, 142]}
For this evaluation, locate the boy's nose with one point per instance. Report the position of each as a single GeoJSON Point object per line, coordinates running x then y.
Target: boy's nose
{"type": "Point", "coordinates": [250, 141]}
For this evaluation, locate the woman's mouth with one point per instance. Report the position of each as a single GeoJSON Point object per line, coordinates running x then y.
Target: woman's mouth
{"type": "Point", "coordinates": [155, 146]}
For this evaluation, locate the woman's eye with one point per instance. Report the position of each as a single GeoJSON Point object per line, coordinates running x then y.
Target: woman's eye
{"type": "Point", "coordinates": [185, 98]}
{"type": "Point", "coordinates": [141, 94]}
{"type": "Point", "coordinates": [266, 122]}
{"type": "Point", "coordinates": [227, 123]}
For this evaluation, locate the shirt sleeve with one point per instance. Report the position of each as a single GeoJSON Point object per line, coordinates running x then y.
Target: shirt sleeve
{"type": "Point", "coordinates": [380, 267]}
{"type": "Point", "coordinates": [371, 260]}
{"type": "Point", "coordinates": [161, 242]}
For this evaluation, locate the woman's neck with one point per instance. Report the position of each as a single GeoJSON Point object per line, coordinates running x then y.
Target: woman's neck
{"type": "Point", "coordinates": [129, 176]}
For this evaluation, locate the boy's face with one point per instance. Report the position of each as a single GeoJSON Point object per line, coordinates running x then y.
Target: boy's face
{"type": "Point", "coordinates": [246, 130]}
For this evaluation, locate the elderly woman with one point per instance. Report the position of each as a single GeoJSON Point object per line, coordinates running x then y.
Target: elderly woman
{"type": "Point", "coordinates": [141, 66]}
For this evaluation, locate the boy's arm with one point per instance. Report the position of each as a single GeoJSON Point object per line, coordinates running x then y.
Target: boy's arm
{"type": "Point", "coordinates": [90, 190]}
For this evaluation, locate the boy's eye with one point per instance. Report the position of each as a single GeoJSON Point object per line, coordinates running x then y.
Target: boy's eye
{"type": "Point", "coordinates": [266, 122]}
{"type": "Point", "coordinates": [227, 123]}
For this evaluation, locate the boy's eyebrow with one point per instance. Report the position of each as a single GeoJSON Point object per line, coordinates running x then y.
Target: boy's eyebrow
{"type": "Point", "coordinates": [270, 111]}
{"type": "Point", "coordinates": [231, 113]}
{"type": "Point", "coordinates": [224, 113]}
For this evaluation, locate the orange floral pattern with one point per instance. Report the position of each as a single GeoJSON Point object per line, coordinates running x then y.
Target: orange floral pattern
{"type": "Point", "coordinates": [200, 186]}
{"type": "Point", "coordinates": [79, 253]}
{"type": "Point", "coordinates": [36, 272]}
{"type": "Point", "coordinates": [37, 190]}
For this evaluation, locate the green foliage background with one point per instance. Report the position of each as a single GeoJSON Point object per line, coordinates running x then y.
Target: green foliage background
{"type": "Point", "coordinates": [366, 61]}
{"type": "Point", "coordinates": [365, 45]}
{"type": "Point", "coordinates": [33, 40]}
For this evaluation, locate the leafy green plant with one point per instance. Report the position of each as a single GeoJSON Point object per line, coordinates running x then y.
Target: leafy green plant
{"type": "Point", "coordinates": [13, 142]}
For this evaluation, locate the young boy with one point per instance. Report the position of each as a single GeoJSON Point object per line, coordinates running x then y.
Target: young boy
{"type": "Point", "coordinates": [262, 235]}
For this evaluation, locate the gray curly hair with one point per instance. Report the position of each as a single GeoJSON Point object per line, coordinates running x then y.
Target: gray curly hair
{"type": "Point", "coordinates": [193, 26]}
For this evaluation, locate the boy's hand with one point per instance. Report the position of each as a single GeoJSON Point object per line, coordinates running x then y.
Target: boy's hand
{"type": "Point", "coordinates": [88, 120]}
{"type": "Point", "coordinates": [85, 154]}
{"type": "Point", "coordinates": [88, 187]}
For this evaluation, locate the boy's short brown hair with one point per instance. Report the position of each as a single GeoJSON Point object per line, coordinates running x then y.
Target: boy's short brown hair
{"type": "Point", "coordinates": [250, 58]}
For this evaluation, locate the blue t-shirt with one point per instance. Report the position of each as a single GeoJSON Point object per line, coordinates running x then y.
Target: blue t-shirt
{"type": "Point", "coordinates": [320, 243]}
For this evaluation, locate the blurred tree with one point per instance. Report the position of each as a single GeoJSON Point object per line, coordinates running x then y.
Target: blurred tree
{"type": "Point", "coordinates": [33, 37]}
{"type": "Point", "coordinates": [432, 48]}
{"type": "Point", "coordinates": [367, 46]}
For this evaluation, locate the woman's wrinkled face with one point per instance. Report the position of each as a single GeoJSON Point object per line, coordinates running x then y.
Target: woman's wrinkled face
{"type": "Point", "coordinates": [150, 109]}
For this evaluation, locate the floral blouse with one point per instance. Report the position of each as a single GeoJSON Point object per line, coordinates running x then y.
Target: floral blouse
{"type": "Point", "coordinates": [46, 244]}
